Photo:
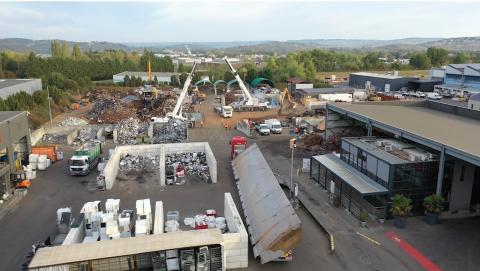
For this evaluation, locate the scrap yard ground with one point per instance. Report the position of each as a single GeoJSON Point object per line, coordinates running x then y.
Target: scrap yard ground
{"type": "Point", "coordinates": [34, 217]}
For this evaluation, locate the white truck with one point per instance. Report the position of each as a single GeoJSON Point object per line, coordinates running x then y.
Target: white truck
{"type": "Point", "coordinates": [274, 125]}
{"type": "Point", "coordinates": [225, 111]}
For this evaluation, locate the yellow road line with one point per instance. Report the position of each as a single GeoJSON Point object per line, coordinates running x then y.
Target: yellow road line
{"type": "Point", "coordinates": [369, 239]}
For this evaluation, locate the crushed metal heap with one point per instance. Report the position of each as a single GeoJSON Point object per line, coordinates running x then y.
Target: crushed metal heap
{"type": "Point", "coordinates": [111, 111]}
{"type": "Point", "coordinates": [72, 121]}
{"type": "Point", "coordinates": [87, 134]}
{"type": "Point", "coordinates": [174, 131]}
{"type": "Point", "coordinates": [195, 163]}
{"type": "Point", "coordinates": [127, 131]}
{"type": "Point", "coordinates": [139, 162]}
{"type": "Point", "coordinates": [53, 138]}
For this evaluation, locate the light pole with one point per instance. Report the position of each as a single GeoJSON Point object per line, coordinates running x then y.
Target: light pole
{"type": "Point", "coordinates": [49, 106]}
{"type": "Point", "coordinates": [293, 144]}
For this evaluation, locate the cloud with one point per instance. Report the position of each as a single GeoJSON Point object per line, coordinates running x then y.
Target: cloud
{"type": "Point", "coordinates": [10, 11]}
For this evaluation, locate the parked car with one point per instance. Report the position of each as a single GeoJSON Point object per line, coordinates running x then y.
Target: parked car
{"type": "Point", "coordinates": [433, 96]}
{"type": "Point", "coordinates": [447, 95]}
{"type": "Point", "coordinates": [404, 93]}
{"type": "Point", "coordinates": [420, 94]}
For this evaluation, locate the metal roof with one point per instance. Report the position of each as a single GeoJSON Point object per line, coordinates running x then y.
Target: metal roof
{"type": "Point", "coordinates": [4, 83]}
{"type": "Point", "coordinates": [316, 91]}
{"type": "Point", "coordinates": [257, 81]}
{"type": "Point", "coordinates": [429, 127]}
{"type": "Point", "coordinates": [379, 153]}
{"type": "Point", "coordinates": [273, 225]}
{"type": "Point", "coordinates": [59, 255]}
{"type": "Point", "coordinates": [358, 181]}
{"type": "Point", "coordinates": [378, 75]}
{"type": "Point", "coordinates": [5, 115]}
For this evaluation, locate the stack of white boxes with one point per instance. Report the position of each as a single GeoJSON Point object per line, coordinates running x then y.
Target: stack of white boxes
{"type": "Point", "coordinates": [112, 206]}
{"type": "Point", "coordinates": [143, 223]}
{"type": "Point", "coordinates": [235, 241]}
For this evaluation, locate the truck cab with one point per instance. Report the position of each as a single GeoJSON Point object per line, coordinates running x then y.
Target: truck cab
{"type": "Point", "coordinates": [79, 165]}
{"type": "Point", "coordinates": [227, 111]}
{"type": "Point", "coordinates": [238, 144]}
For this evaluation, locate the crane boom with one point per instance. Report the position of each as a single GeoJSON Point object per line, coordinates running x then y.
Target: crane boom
{"type": "Point", "coordinates": [246, 93]}
{"type": "Point", "coordinates": [176, 110]}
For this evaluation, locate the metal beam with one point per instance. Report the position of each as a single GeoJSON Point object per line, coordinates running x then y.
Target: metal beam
{"type": "Point", "coordinates": [440, 171]}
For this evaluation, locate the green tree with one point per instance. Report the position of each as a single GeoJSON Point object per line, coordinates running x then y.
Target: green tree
{"type": "Point", "coordinates": [460, 58]}
{"type": "Point", "coordinates": [183, 78]}
{"type": "Point", "coordinates": [438, 56]}
{"type": "Point", "coordinates": [77, 53]}
{"type": "Point", "coordinates": [420, 61]}
{"type": "Point", "coordinates": [174, 81]}
{"type": "Point", "coordinates": [181, 68]}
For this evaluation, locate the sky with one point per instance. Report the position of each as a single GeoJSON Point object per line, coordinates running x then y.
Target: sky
{"type": "Point", "coordinates": [236, 21]}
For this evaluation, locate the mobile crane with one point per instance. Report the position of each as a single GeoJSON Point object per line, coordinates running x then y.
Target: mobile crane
{"type": "Point", "coordinates": [248, 102]}
{"type": "Point", "coordinates": [177, 110]}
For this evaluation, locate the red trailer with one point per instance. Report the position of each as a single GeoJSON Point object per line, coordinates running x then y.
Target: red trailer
{"type": "Point", "coordinates": [237, 145]}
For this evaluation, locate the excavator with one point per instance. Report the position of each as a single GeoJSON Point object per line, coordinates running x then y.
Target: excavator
{"type": "Point", "coordinates": [149, 92]}
{"type": "Point", "coordinates": [287, 104]}
{"type": "Point", "coordinates": [248, 102]}
{"type": "Point", "coordinates": [177, 111]}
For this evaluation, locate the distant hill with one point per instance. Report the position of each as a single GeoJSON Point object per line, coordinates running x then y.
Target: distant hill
{"type": "Point", "coordinates": [456, 44]}
{"type": "Point", "coordinates": [257, 47]}
{"type": "Point", "coordinates": [43, 46]}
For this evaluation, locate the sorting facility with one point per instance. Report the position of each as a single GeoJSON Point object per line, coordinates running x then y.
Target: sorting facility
{"type": "Point", "coordinates": [13, 86]}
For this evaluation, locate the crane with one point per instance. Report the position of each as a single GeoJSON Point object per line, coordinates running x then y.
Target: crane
{"type": "Point", "coordinates": [177, 110]}
{"type": "Point", "coordinates": [249, 103]}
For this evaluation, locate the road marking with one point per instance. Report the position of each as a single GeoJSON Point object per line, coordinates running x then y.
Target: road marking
{"type": "Point", "coordinates": [414, 253]}
{"type": "Point", "coordinates": [369, 239]}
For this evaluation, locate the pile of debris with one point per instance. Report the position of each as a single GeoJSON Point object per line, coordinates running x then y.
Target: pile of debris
{"type": "Point", "coordinates": [72, 121]}
{"type": "Point", "coordinates": [127, 131]}
{"type": "Point", "coordinates": [195, 163]}
{"type": "Point", "coordinates": [139, 162]}
{"type": "Point", "coordinates": [87, 134]}
{"type": "Point", "coordinates": [312, 142]}
{"type": "Point", "coordinates": [173, 131]}
{"type": "Point", "coordinates": [53, 138]}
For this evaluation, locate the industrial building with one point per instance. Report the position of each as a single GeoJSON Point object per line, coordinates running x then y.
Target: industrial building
{"type": "Point", "coordinates": [12, 86]}
{"type": "Point", "coordinates": [312, 95]}
{"type": "Point", "coordinates": [448, 162]}
{"type": "Point", "coordinates": [379, 82]}
{"type": "Point", "coordinates": [424, 85]}
{"type": "Point", "coordinates": [461, 79]}
{"type": "Point", "coordinates": [14, 146]}
{"type": "Point", "coordinates": [162, 77]}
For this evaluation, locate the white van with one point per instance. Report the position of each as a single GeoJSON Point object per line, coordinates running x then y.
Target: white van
{"type": "Point", "coordinates": [274, 125]}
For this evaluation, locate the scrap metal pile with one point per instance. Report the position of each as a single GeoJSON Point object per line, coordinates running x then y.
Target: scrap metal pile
{"type": "Point", "coordinates": [174, 131]}
{"type": "Point", "coordinates": [139, 162]}
{"type": "Point", "coordinates": [53, 138]}
{"type": "Point", "coordinates": [72, 121]}
{"type": "Point", "coordinates": [195, 163]}
{"type": "Point", "coordinates": [87, 134]}
{"type": "Point", "coordinates": [109, 110]}
{"type": "Point", "coordinates": [127, 131]}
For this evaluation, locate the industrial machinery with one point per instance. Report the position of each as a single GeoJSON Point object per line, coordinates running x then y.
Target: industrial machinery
{"type": "Point", "coordinates": [248, 102]}
{"type": "Point", "coordinates": [177, 111]}
{"type": "Point", "coordinates": [85, 159]}
{"type": "Point", "coordinates": [237, 145]}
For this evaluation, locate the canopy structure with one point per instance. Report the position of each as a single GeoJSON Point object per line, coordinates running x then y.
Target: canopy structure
{"type": "Point", "coordinates": [259, 80]}
{"type": "Point", "coordinates": [231, 82]}
{"type": "Point", "coordinates": [219, 82]}
{"type": "Point", "coordinates": [203, 82]}
{"type": "Point", "coordinates": [274, 226]}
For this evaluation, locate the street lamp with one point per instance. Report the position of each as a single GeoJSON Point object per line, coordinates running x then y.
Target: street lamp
{"type": "Point", "coordinates": [49, 106]}
{"type": "Point", "coordinates": [292, 145]}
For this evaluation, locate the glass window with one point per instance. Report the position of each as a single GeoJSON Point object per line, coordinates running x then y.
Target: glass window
{"type": "Point", "coordinates": [314, 171]}
{"type": "Point", "coordinates": [371, 166]}
{"type": "Point", "coordinates": [383, 171]}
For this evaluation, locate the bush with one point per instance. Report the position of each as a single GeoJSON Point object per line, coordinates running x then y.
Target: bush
{"type": "Point", "coordinates": [401, 205]}
{"type": "Point", "coordinates": [433, 204]}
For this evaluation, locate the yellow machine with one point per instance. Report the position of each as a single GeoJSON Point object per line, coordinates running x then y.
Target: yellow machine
{"type": "Point", "coordinates": [149, 72]}
{"type": "Point", "coordinates": [287, 104]}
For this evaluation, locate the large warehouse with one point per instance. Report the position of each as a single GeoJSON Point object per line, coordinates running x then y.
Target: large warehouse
{"type": "Point", "coordinates": [420, 149]}
{"type": "Point", "coordinates": [379, 82]}
{"type": "Point", "coordinates": [14, 145]}
{"type": "Point", "coordinates": [162, 77]}
{"type": "Point", "coordinates": [12, 86]}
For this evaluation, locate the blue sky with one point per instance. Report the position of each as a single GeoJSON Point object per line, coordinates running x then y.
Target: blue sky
{"type": "Point", "coordinates": [234, 21]}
